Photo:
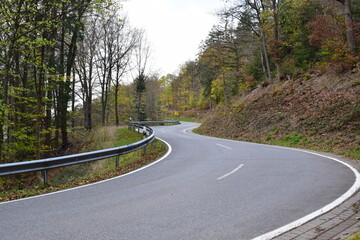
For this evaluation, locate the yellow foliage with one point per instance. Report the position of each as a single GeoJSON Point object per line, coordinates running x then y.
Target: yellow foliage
{"type": "Point", "coordinates": [277, 91]}
{"type": "Point", "coordinates": [236, 108]}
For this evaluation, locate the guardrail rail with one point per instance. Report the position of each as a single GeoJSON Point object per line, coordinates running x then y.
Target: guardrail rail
{"type": "Point", "coordinates": [50, 163]}
{"type": "Point", "coordinates": [156, 123]}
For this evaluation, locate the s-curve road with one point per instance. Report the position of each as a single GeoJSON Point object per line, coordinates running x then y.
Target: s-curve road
{"type": "Point", "coordinates": [206, 188]}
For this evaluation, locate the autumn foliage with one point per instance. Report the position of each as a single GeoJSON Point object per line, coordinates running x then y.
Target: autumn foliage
{"type": "Point", "coordinates": [328, 36]}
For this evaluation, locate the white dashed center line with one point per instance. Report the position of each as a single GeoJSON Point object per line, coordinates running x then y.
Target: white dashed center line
{"type": "Point", "coordinates": [232, 172]}
{"type": "Point", "coordinates": [223, 146]}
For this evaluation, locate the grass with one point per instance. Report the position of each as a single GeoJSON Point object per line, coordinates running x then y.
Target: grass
{"type": "Point", "coordinates": [356, 236]}
{"type": "Point", "coordinates": [297, 140]}
{"type": "Point", "coordinates": [77, 175]}
{"type": "Point", "coordinates": [300, 141]}
{"type": "Point", "coordinates": [351, 154]}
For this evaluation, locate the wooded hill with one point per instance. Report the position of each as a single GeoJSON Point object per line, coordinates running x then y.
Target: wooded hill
{"type": "Point", "coordinates": [310, 94]}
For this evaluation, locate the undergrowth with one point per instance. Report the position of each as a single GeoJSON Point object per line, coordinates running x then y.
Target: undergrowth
{"type": "Point", "coordinates": [77, 175]}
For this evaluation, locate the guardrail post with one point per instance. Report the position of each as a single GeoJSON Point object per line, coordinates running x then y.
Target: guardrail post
{"type": "Point", "coordinates": [117, 161]}
{"type": "Point", "coordinates": [45, 177]}
{"type": "Point", "coordinates": [145, 149]}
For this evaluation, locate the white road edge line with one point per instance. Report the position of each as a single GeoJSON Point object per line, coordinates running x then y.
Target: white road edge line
{"type": "Point", "coordinates": [106, 180]}
{"type": "Point", "coordinates": [232, 172]}
{"type": "Point", "coordinates": [317, 213]}
{"type": "Point", "coordinates": [185, 130]}
{"type": "Point", "coordinates": [223, 146]}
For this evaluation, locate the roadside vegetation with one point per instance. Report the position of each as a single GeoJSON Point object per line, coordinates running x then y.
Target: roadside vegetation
{"type": "Point", "coordinates": [356, 236]}
{"type": "Point", "coordinates": [319, 113]}
{"type": "Point", "coordinates": [77, 175]}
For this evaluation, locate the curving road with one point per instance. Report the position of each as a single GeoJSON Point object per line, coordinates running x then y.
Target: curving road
{"type": "Point", "coordinates": [207, 188]}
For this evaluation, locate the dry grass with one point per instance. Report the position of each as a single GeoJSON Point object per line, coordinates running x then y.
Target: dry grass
{"type": "Point", "coordinates": [81, 174]}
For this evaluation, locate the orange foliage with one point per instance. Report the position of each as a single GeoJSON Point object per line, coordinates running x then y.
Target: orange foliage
{"type": "Point", "coordinates": [325, 28]}
{"type": "Point", "coordinates": [274, 50]}
{"type": "Point", "coordinates": [329, 35]}
{"type": "Point", "coordinates": [248, 79]}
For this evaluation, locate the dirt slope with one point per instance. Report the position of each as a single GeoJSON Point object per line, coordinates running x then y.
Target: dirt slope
{"type": "Point", "coordinates": [315, 111]}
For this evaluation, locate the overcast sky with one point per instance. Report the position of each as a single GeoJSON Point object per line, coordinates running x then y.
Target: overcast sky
{"type": "Point", "coordinates": [174, 28]}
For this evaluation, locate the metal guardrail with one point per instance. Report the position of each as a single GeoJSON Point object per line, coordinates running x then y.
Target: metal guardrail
{"type": "Point", "coordinates": [155, 123]}
{"type": "Point", "coordinates": [50, 163]}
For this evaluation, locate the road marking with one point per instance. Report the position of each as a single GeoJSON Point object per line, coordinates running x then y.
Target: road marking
{"type": "Point", "coordinates": [223, 146]}
{"type": "Point", "coordinates": [355, 187]}
{"type": "Point", "coordinates": [95, 183]}
{"type": "Point", "coordinates": [319, 212]}
{"type": "Point", "coordinates": [232, 172]}
{"type": "Point", "coordinates": [185, 130]}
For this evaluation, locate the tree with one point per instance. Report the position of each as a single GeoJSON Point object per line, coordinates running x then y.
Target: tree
{"type": "Point", "coordinates": [126, 41]}
{"type": "Point", "coordinates": [350, 36]}
{"type": "Point", "coordinates": [87, 51]}
{"type": "Point", "coordinates": [140, 87]}
{"type": "Point", "coordinates": [142, 55]}
{"type": "Point", "coordinates": [38, 45]}
{"type": "Point", "coordinates": [249, 14]}
{"type": "Point", "coordinates": [152, 98]}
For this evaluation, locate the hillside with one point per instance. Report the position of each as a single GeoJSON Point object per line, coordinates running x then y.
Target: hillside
{"type": "Point", "coordinates": [313, 111]}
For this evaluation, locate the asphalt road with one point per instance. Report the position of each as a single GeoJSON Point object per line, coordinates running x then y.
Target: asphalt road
{"type": "Point", "coordinates": [207, 188]}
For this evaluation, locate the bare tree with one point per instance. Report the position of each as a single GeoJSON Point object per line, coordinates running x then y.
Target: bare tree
{"type": "Point", "coordinates": [87, 51]}
{"type": "Point", "coordinates": [106, 60]}
{"type": "Point", "coordinates": [126, 41]}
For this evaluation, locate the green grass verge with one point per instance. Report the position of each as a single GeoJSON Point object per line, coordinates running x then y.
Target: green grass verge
{"type": "Point", "coordinates": [297, 140]}
{"type": "Point", "coordinates": [353, 154]}
{"type": "Point", "coordinates": [77, 175]}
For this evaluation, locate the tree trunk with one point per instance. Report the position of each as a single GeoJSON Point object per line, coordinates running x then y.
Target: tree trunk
{"type": "Point", "coordinates": [266, 56]}
{"type": "Point", "coordinates": [1, 142]}
{"type": "Point", "coordinates": [49, 96]}
{"type": "Point", "coordinates": [225, 88]}
{"type": "Point", "coordinates": [117, 121]}
{"type": "Point", "coordinates": [263, 64]}
{"type": "Point", "coordinates": [39, 98]}
{"type": "Point", "coordinates": [138, 106]}
{"type": "Point", "coordinates": [349, 27]}
{"type": "Point", "coordinates": [57, 117]}
{"type": "Point", "coordinates": [276, 37]}
{"type": "Point", "coordinates": [89, 113]}
{"type": "Point", "coordinates": [61, 101]}
{"type": "Point", "coordinates": [47, 120]}
{"type": "Point", "coordinates": [73, 101]}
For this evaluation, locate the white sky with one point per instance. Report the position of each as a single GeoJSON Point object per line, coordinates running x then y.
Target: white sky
{"type": "Point", "coordinates": [174, 28]}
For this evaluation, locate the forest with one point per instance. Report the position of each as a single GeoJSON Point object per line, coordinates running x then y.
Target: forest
{"type": "Point", "coordinates": [64, 64]}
